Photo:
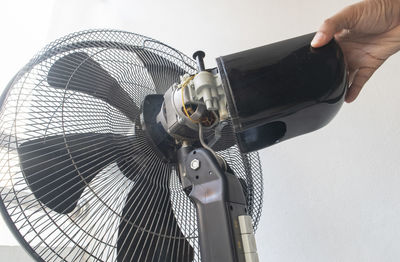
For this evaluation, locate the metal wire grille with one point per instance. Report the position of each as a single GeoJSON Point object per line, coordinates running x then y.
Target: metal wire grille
{"type": "Point", "coordinates": [78, 179]}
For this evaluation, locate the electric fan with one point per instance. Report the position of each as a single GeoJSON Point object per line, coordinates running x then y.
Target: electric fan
{"type": "Point", "coordinates": [117, 147]}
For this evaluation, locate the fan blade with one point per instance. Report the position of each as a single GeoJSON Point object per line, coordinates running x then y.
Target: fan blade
{"type": "Point", "coordinates": [149, 231]}
{"type": "Point", "coordinates": [58, 168]}
{"type": "Point", "coordinates": [163, 72]}
{"type": "Point", "coordinates": [80, 72]}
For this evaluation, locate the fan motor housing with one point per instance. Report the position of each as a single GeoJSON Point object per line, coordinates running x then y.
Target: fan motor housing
{"type": "Point", "coordinates": [162, 143]}
{"type": "Point", "coordinates": [282, 90]}
{"type": "Point", "coordinates": [173, 118]}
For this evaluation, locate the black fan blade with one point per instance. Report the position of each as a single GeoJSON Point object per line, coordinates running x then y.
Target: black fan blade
{"type": "Point", "coordinates": [163, 72]}
{"type": "Point", "coordinates": [58, 168]}
{"type": "Point", "coordinates": [79, 72]}
{"type": "Point", "coordinates": [149, 231]}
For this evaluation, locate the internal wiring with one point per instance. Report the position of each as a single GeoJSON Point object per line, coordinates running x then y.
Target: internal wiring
{"type": "Point", "coordinates": [219, 159]}
{"type": "Point", "coordinates": [183, 98]}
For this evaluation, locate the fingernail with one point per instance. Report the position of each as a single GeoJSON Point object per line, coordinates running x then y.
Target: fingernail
{"type": "Point", "coordinates": [319, 37]}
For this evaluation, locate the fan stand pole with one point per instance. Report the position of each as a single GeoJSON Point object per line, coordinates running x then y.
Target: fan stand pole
{"type": "Point", "coordinates": [225, 228]}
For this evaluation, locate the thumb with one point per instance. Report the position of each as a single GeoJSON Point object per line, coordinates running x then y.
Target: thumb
{"type": "Point", "coordinates": [345, 19]}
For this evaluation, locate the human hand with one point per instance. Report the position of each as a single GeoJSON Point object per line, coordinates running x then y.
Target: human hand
{"type": "Point", "coordinates": [368, 33]}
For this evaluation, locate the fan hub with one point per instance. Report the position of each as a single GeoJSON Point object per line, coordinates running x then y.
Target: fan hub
{"type": "Point", "coordinates": [163, 144]}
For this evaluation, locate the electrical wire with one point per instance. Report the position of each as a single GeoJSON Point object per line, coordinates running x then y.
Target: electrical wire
{"type": "Point", "coordinates": [219, 159]}
{"type": "Point", "coordinates": [183, 98]}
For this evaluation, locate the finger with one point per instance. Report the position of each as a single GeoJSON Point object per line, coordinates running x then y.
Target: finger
{"type": "Point", "coordinates": [352, 75]}
{"type": "Point", "coordinates": [343, 35]}
{"type": "Point", "coordinates": [345, 19]}
{"type": "Point", "coordinates": [362, 76]}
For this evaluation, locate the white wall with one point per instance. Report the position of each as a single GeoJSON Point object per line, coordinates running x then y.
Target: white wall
{"type": "Point", "coordinates": [332, 195]}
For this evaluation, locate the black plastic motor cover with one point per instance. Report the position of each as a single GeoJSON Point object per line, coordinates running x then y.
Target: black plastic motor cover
{"type": "Point", "coordinates": [282, 90]}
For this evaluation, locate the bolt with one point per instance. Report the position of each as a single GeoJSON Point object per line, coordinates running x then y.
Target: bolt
{"type": "Point", "coordinates": [195, 164]}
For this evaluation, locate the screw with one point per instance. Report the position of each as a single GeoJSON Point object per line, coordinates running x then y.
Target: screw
{"type": "Point", "coordinates": [195, 164]}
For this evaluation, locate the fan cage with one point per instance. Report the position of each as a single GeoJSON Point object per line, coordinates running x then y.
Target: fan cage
{"type": "Point", "coordinates": [32, 110]}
